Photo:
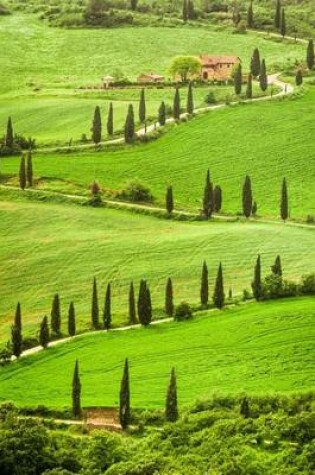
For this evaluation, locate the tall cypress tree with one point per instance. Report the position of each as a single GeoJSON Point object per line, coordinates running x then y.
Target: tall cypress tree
{"type": "Point", "coordinates": [110, 120]}
{"type": "Point", "coordinates": [95, 307]}
{"type": "Point", "coordinates": [144, 304]}
{"type": "Point", "coordinates": [76, 392]}
{"type": "Point", "coordinates": [204, 286]}
{"type": "Point", "coordinates": [256, 283]}
{"type": "Point", "coordinates": [190, 99]}
{"type": "Point", "coordinates": [97, 126]}
{"type": "Point", "coordinates": [162, 113]}
{"type": "Point", "coordinates": [276, 268]}
{"type": "Point", "coordinates": [185, 11]}
{"type": "Point", "coordinates": [218, 295]}
{"type": "Point", "coordinates": [263, 79]}
{"type": "Point", "coordinates": [247, 197]}
{"type": "Point", "coordinates": [169, 201]}
{"type": "Point", "coordinates": [217, 198]}
{"type": "Point", "coordinates": [133, 4]}
{"type": "Point", "coordinates": [71, 320]}
{"type": "Point", "coordinates": [238, 79]}
{"type": "Point", "coordinates": [29, 169]}
{"type": "Point", "coordinates": [169, 302]}
{"type": "Point", "coordinates": [16, 332]}
{"type": "Point", "coordinates": [171, 408]}
{"type": "Point", "coordinates": [284, 206]}
{"type": "Point", "coordinates": [9, 137]}
{"type": "Point", "coordinates": [299, 78]}
{"type": "Point", "coordinates": [44, 334]}
{"type": "Point", "coordinates": [148, 306]}
{"type": "Point", "coordinates": [278, 15]}
{"type": "Point", "coordinates": [124, 398]}
{"type": "Point", "coordinates": [250, 15]}
{"type": "Point", "coordinates": [18, 317]}
{"type": "Point", "coordinates": [132, 305]}
{"type": "Point", "coordinates": [130, 125]}
{"type": "Point", "coordinates": [249, 89]}
{"type": "Point", "coordinates": [22, 173]}
{"type": "Point", "coordinates": [283, 28]}
{"type": "Point", "coordinates": [176, 105]}
{"type": "Point", "coordinates": [207, 205]}
{"type": "Point", "coordinates": [255, 63]}
{"type": "Point", "coordinates": [55, 321]}
{"type": "Point", "coordinates": [244, 408]}
{"type": "Point", "coordinates": [107, 315]}
{"type": "Point", "coordinates": [310, 55]}
{"type": "Point", "coordinates": [142, 107]}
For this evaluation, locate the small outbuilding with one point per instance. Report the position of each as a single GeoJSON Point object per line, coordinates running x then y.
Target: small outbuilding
{"type": "Point", "coordinates": [107, 81]}
{"type": "Point", "coordinates": [154, 78]}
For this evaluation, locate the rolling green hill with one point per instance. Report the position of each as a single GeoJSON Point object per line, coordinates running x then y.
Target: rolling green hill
{"type": "Point", "coordinates": [255, 348]}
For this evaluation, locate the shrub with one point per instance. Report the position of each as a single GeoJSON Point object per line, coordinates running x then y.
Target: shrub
{"type": "Point", "coordinates": [29, 342]}
{"type": "Point", "coordinates": [308, 284]}
{"type": "Point", "coordinates": [210, 98]}
{"type": "Point", "coordinates": [183, 312]}
{"type": "Point", "coordinates": [310, 219]}
{"type": "Point", "coordinates": [5, 356]}
{"type": "Point", "coordinates": [136, 192]}
{"type": "Point", "coordinates": [273, 287]}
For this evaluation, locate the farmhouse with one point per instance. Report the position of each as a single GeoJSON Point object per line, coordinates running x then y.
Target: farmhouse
{"type": "Point", "coordinates": [218, 68]}
{"type": "Point", "coordinates": [155, 78]}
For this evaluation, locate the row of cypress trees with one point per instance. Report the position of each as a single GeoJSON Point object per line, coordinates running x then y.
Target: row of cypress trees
{"type": "Point", "coordinates": [26, 171]}
{"type": "Point", "coordinates": [257, 286]}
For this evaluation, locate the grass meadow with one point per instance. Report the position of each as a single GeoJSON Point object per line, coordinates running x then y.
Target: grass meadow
{"type": "Point", "coordinates": [257, 348]}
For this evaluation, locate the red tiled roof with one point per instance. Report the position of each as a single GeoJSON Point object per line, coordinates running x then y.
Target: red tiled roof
{"type": "Point", "coordinates": [214, 60]}
{"type": "Point", "coordinates": [152, 76]}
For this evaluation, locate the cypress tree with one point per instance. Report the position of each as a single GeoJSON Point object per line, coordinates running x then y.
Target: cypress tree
{"type": "Point", "coordinates": [263, 79]}
{"type": "Point", "coordinates": [254, 209]}
{"type": "Point", "coordinates": [142, 107]}
{"type": "Point", "coordinates": [22, 173]}
{"type": "Point", "coordinates": [29, 169]}
{"type": "Point", "coordinates": [97, 126]}
{"type": "Point", "coordinates": [44, 334]}
{"type": "Point", "coordinates": [176, 106]}
{"type": "Point", "coordinates": [299, 78]}
{"type": "Point", "coordinates": [9, 138]}
{"type": "Point", "coordinates": [18, 317]}
{"type": "Point", "coordinates": [169, 201]}
{"type": "Point", "coordinates": [204, 286]}
{"type": "Point", "coordinates": [310, 56]}
{"type": "Point", "coordinates": [255, 63]}
{"type": "Point", "coordinates": [169, 302]}
{"type": "Point", "coordinates": [284, 206]}
{"type": "Point", "coordinates": [130, 125]}
{"type": "Point", "coordinates": [244, 408]}
{"type": "Point", "coordinates": [250, 15]}
{"type": "Point", "coordinates": [185, 11]}
{"type": "Point", "coordinates": [148, 307]}
{"type": "Point", "coordinates": [238, 80]}
{"type": "Point", "coordinates": [219, 296]}
{"type": "Point", "coordinates": [132, 305]}
{"type": "Point", "coordinates": [256, 283]}
{"type": "Point", "coordinates": [247, 197]}
{"type": "Point", "coordinates": [107, 315]}
{"type": "Point", "coordinates": [110, 120]}
{"type": "Point", "coordinates": [162, 114]}
{"type": "Point", "coordinates": [76, 392]}
{"type": "Point", "coordinates": [283, 28]}
{"type": "Point", "coordinates": [249, 89]}
{"type": "Point", "coordinates": [95, 308]}
{"type": "Point", "coordinates": [133, 4]}
{"type": "Point", "coordinates": [55, 322]}
{"type": "Point", "coordinates": [124, 398]}
{"type": "Point", "coordinates": [190, 99]}
{"type": "Point", "coordinates": [207, 205]}
{"type": "Point", "coordinates": [16, 332]}
{"type": "Point", "coordinates": [144, 304]}
{"type": "Point", "coordinates": [71, 320]}
{"type": "Point", "coordinates": [190, 10]}
{"type": "Point", "coordinates": [277, 267]}
{"type": "Point", "coordinates": [217, 198]}
{"type": "Point", "coordinates": [278, 15]}
{"type": "Point", "coordinates": [171, 409]}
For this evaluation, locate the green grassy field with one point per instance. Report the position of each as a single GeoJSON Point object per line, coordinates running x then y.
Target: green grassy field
{"type": "Point", "coordinates": [49, 248]}
{"type": "Point", "coordinates": [255, 348]}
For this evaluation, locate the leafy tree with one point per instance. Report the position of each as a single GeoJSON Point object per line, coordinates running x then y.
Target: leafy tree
{"type": "Point", "coordinates": [185, 11]}
{"type": "Point", "coordinates": [132, 305]}
{"type": "Point", "coordinates": [76, 392]}
{"type": "Point", "coordinates": [169, 302]}
{"type": "Point", "coordinates": [29, 169]}
{"type": "Point", "coordinates": [255, 63]}
{"type": "Point", "coordinates": [16, 332]}
{"type": "Point", "coordinates": [171, 409]}
{"type": "Point", "coordinates": [176, 105]}
{"type": "Point", "coordinates": [185, 67]}
{"type": "Point", "coordinates": [124, 398]}
{"type": "Point", "coordinates": [207, 206]}
{"type": "Point", "coordinates": [9, 138]}
{"type": "Point", "coordinates": [110, 120]}
{"type": "Point", "coordinates": [284, 206]}
{"type": "Point", "coordinates": [283, 28]}
{"type": "Point", "coordinates": [263, 79]}
{"type": "Point", "coordinates": [169, 200]}
{"type": "Point", "coordinates": [44, 334]}
{"type": "Point", "coordinates": [95, 307]}
{"type": "Point", "coordinates": [204, 287]}
{"type": "Point", "coordinates": [142, 107]}
{"type": "Point", "coordinates": [133, 4]}
{"type": "Point", "coordinates": [249, 89]}
{"type": "Point", "coordinates": [278, 14]}
{"type": "Point", "coordinates": [162, 114]}
{"type": "Point", "coordinates": [218, 295]}
{"type": "Point", "coordinates": [244, 408]}
{"type": "Point", "coordinates": [190, 99]}
{"type": "Point", "coordinates": [22, 173]}
{"type": "Point", "coordinates": [310, 55]}
{"type": "Point", "coordinates": [247, 197]}
{"type": "Point", "coordinates": [144, 304]}
{"type": "Point", "coordinates": [276, 268]}
{"type": "Point", "coordinates": [238, 79]}
{"type": "Point", "coordinates": [217, 198]}
{"type": "Point", "coordinates": [107, 316]}
{"type": "Point", "coordinates": [130, 125]}
{"type": "Point", "coordinates": [71, 320]}
{"type": "Point", "coordinates": [250, 15]}
{"type": "Point", "coordinates": [55, 321]}
{"type": "Point", "coordinates": [299, 78]}
{"type": "Point", "coordinates": [256, 283]}
{"type": "Point", "coordinates": [97, 126]}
